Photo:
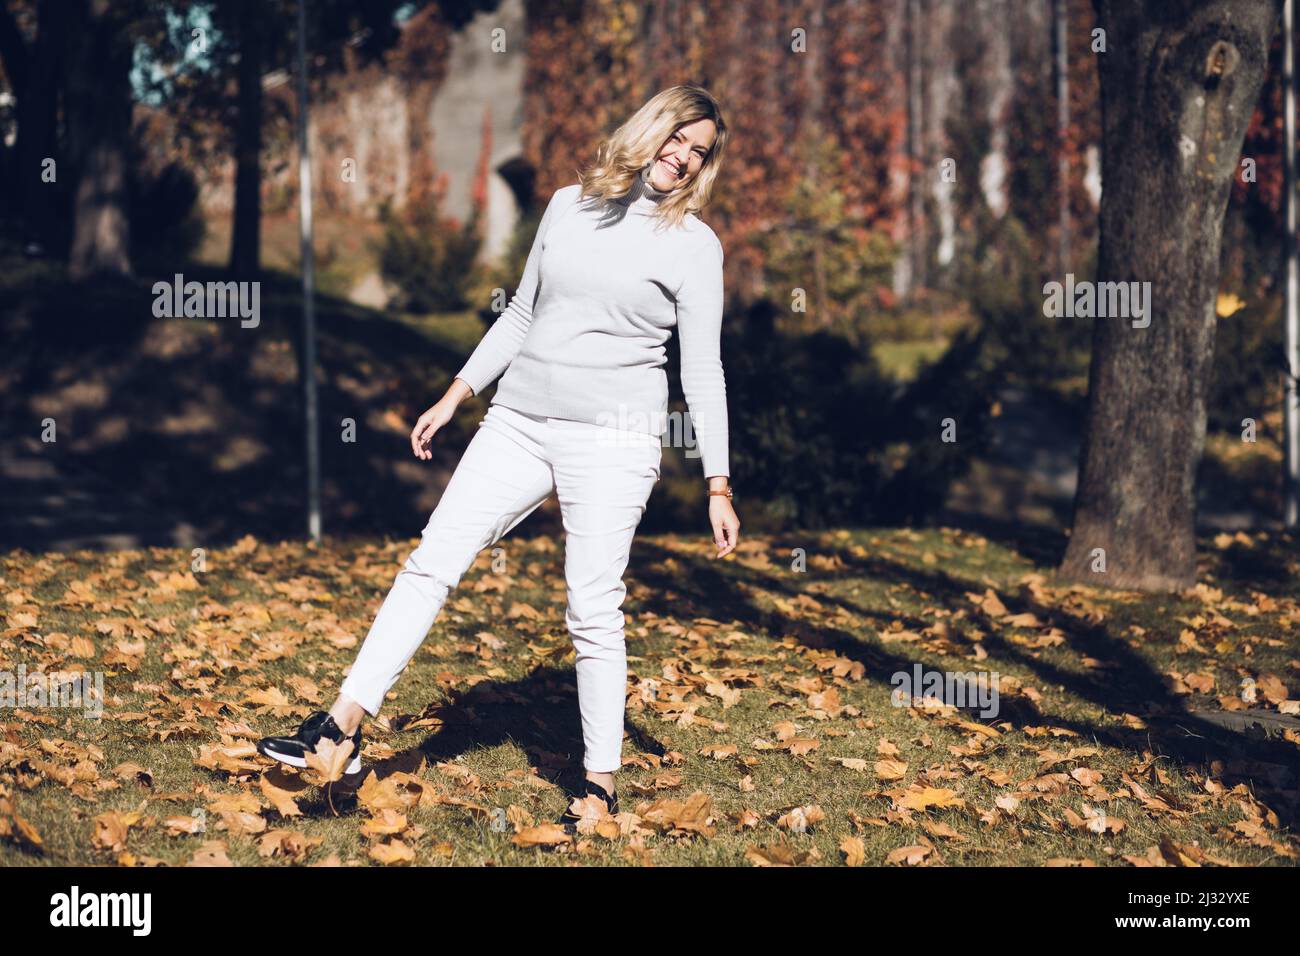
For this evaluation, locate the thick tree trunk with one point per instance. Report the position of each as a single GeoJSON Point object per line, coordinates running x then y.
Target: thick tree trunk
{"type": "Point", "coordinates": [99, 128]}
{"type": "Point", "coordinates": [245, 243]}
{"type": "Point", "coordinates": [1179, 81]}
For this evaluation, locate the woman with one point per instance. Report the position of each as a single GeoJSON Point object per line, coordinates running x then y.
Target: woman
{"type": "Point", "coordinates": [619, 260]}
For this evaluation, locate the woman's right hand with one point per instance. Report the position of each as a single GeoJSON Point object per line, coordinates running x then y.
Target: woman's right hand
{"type": "Point", "coordinates": [427, 426]}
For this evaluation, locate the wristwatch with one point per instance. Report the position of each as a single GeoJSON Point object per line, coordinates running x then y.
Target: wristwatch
{"type": "Point", "coordinates": [722, 491]}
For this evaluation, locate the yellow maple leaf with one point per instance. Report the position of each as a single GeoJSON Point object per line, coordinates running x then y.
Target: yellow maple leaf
{"type": "Point", "coordinates": [330, 759]}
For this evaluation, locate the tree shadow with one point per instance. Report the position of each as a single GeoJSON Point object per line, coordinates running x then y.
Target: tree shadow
{"type": "Point", "coordinates": [537, 713]}
{"type": "Point", "coordinates": [202, 418]}
{"type": "Point", "coordinates": [1128, 683]}
{"type": "Point", "coordinates": [1260, 565]}
{"type": "Point", "coordinates": [1041, 544]}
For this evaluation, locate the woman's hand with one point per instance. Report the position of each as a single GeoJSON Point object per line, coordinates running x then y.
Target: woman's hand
{"type": "Point", "coordinates": [726, 526]}
{"type": "Point", "coordinates": [428, 424]}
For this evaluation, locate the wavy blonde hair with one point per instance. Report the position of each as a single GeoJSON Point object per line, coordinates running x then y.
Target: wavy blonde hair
{"type": "Point", "coordinates": [622, 155]}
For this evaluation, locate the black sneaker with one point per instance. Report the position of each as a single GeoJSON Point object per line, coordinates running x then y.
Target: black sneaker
{"type": "Point", "coordinates": [569, 820]}
{"type": "Point", "coordinates": [293, 750]}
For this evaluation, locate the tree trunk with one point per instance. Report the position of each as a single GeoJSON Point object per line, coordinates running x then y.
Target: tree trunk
{"type": "Point", "coordinates": [245, 243]}
{"type": "Point", "coordinates": [99, 128]}
{"type": "Point", "coordinates": [1179, 81]}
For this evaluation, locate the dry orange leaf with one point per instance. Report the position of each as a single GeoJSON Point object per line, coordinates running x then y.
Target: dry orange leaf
{"type": "Point", "coordinates": [855, 852]}
{"type": "Point", "coordinates": [111, 828]}
{"type": "Point", "coordinates": [911, 855]}
{"type": "Point", "coordinates": [211, 853]}
{"type": "Point", "coordinates": [286, 843]}
{"type": "Point", "coordinates": [391, 853]}
{"type": "Point", "coordinates": [281, 788]}
{"type": "Point", "coordinates": [781, 854]}
{"type": "Point", "coordinates": [923, 798]}
{"type": "Point", "coordinates": [385, 823]}
{"type": "Point", "coordinates": [330, 759]}
{"type": "Point", "coordinates": [547, 834]}
{"type": "Point", "coordinates": [891, 769]}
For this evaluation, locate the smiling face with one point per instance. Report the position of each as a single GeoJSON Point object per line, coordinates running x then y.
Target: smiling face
{"type": "Point", "coordinates": [681, 157]}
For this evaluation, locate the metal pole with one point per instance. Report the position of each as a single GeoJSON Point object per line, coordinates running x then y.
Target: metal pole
{"type": "Point", "coordinates": [308, 302]}
{"type": "Point", "coordinates": [916, 169]}
{"type": "Point", "coordinates": [1291, 407]}
{"type": "Point", "coordinates": [1061, 62]}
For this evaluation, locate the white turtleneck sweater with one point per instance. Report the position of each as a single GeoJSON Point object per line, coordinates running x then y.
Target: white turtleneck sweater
{"type": "Point", "coordinates": [583, 336]}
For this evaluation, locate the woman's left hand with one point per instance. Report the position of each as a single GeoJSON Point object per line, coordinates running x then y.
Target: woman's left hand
{"type": "Point", "coordinates": [726, 526]}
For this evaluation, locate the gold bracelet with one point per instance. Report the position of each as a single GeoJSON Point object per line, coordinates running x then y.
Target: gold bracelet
{"type": "Point", "coordinates": [724, 491]}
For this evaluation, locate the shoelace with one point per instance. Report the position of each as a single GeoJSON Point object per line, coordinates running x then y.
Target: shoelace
{"type": "Point", "coordinates": [315, 720]}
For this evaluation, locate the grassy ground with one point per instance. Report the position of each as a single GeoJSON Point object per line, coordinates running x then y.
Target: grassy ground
{"type": "Point", "coordinates": [901, 360]}
{"type": "Point", "coordinates": [202, 419]}
{"type": "Point", "coordinates": [760, 720]}
{"type": "Point", "coordinates": [344, 247]}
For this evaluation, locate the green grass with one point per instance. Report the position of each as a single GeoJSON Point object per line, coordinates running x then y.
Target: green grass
{"type": "Point", "coordinates": [342, 243]}
{"type": "Point", "coordinates": [902, 360]}
{"type": "Point", "coordinates": [1082, 720]}
{"type": "Point", "coordinates": [455, 331]}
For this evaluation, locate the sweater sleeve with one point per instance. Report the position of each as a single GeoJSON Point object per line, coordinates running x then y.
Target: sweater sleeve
{"type": "Point", "coordinates": [502, 342]}
{"type": "Point", "coordinates": [699, 330]}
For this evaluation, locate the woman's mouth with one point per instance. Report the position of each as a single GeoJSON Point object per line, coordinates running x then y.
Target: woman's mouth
{"type": "Point", "coordinates": [670, 168]}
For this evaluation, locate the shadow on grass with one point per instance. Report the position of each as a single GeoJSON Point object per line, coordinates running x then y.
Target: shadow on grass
{"type": "Point", "coordinates": [202, 419]}
{"type": "Point", "coordinates": [537, 713]}
{"type": "Point", "coordinates": [1127, 684]}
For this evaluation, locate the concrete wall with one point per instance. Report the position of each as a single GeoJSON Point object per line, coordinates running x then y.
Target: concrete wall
{"type": "Point", "coordinates": [368, 117]}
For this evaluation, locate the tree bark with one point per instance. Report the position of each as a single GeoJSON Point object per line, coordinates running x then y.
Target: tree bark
{"type": "Point", "coordinates": [99, 130]}
{"type": "Point", "coordinates": [245, 242]}
{"type": "Point", "coordinates": [1179, 81]}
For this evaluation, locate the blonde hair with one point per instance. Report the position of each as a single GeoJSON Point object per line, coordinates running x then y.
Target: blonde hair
{"type": "Point", "coordinates": [622, 155]}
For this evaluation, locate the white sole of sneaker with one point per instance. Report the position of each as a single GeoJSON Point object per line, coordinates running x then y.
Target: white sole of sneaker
{"type": "Point", "coordinates": [293, 761]}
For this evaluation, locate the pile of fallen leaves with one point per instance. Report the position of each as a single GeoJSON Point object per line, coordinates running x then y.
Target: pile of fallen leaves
{"type": "Point", "coordinates": [766, 680]}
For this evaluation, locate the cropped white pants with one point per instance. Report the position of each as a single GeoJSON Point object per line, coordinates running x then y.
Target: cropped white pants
{"type": "Point", "coordinates": [603, 477]}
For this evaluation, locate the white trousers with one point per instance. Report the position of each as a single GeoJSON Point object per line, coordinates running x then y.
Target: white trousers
{"type": "Point", "coordinates": [603, 477]}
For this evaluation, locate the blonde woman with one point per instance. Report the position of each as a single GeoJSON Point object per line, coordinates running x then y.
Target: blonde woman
{"type": "Point", "coordinates": [619, 259]}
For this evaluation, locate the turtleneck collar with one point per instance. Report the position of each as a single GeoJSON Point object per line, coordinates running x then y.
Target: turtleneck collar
{"type": "Point", "coordinates": [643, 193]}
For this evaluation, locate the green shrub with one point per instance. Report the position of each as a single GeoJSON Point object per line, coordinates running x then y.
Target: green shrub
{"type": "Point", "coordinates": [429, 259]}
{"type": "Point", "coordinates": [508, 268]}
{"type": "Point", "coordinates": [843, 265]}
{"type": "Point", "coordinates": [820, 437]}
{"type": "Point", "coordinates": [1248, 366]}
{"type": "Point", "coordinates": [1006, 294]}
